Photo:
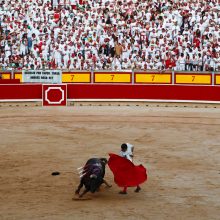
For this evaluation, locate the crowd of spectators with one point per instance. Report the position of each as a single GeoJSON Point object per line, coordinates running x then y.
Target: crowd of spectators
{"type": "Point", "coordinates": [110, 34]}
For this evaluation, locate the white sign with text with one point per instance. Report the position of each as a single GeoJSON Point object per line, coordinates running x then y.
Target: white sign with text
{"type": "Point", "coordinates": [42, 76]}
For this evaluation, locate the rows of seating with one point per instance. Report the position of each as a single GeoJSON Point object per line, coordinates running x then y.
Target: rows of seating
{"type": "Point", "coordinates": [110, 35]}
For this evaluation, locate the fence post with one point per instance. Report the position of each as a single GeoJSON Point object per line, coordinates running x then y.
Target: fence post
{"type": "Point", "coordinates": [213, 78]}
{"type": "Point", "coordinates": [132, 76]}
{"type": "Point", "coordinates": [173, 77]}
{"type": "Point", "coordinates": [12, 74]}
{"type": "Point", "coordinates": [92, 75]}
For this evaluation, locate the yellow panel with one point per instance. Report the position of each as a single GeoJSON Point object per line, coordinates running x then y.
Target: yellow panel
{"type": "Point", "coordinates": [217, 79]}
{"type": "Point", "coordinates": [153, 78]}
{"type": "Point", "coordinates": [112, 78]}
{"type": "Point", "coordinates": [6, 75]}
{"type": "Point", "coordinates": [18, 76]}
{"type": "Point", "coordinates": [193, 79]}
{"type": "Point", "coordinates": [76, 77]}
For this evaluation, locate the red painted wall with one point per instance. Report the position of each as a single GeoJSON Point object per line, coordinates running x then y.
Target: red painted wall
{"type": "Point", "coordinates": [103, 91]}
{"type": "Point", "coordinates": [9, 81]}
{"type": "Point", "coordinates": [20, 91]}
{"type": "Point", "coordinates": [168, 92]}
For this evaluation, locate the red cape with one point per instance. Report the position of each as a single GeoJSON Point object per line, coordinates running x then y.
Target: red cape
{"type": "Point", "coordinates": [126, 174]}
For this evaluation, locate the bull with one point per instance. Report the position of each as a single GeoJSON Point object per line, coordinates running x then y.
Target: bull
{"type": "Point", "coordinates": [92, 176]}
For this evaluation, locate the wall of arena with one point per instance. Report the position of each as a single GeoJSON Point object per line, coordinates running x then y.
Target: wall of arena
{"type": "Point", "coordinates": [116, 86]}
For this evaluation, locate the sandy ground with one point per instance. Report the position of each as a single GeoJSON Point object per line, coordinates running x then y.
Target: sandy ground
{"type": "Point", "coordinates": [180, 147]}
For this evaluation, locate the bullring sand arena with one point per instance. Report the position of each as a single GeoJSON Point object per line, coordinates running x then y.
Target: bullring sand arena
{"type": "Point", "coordinates": [179, 146]}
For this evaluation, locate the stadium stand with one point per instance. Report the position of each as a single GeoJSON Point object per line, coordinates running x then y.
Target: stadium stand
{"type": "Point", "coordinates": [110, 35]}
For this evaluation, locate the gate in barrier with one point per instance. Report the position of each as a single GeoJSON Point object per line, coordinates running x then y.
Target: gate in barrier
{"type": "Point", "coordinates": [54, 95]}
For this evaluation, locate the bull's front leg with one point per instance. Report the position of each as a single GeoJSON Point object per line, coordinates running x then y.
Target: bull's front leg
{"type": "Point", "coordinates": [83, 193]}
{"type": "Point", "coordinates": [106, 183]}
{"type": "Point", "coordinates": [79, 188]}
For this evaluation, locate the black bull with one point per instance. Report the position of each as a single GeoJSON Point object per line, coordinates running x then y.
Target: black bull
{"type": "Point", "coordinates": [92, 176]}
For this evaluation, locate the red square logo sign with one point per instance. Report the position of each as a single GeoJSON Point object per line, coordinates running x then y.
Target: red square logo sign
{"type": "Point", "coordinates": [55, 95]}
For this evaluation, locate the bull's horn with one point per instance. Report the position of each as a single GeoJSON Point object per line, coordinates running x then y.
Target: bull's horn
{"type": "Point", "coordinates": [93, 176]}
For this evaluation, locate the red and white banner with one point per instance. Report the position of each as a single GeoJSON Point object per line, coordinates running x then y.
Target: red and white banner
{"type": "Point", "coordinates": [54, 95]}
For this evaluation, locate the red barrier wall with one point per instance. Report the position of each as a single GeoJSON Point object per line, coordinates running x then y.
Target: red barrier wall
{"type": "Point", "coordinates": [20, 91]}
{"type": "Point", "coordinates": [103, 91]}
{"type": "Point", "coordinates": [166, 92]}
{"type": "Point", "coordinates": [9, 81]}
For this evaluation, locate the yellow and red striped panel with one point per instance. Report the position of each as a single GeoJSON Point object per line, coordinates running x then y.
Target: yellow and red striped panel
{"type": "Point", "coordinates": [153, 78]}
{"type": "Point", "coordinates": [112, 77]}
{"type": "Point", "coordinates": [6, 75]}
{"type": "Point", "coordinates": [18, 75]}
{"type": "Point", "coordinates": [76, 77]}
{"type": "Point", "coordinates": [200, 79]}
{"type": "Point", "coordinates": [217, 79]}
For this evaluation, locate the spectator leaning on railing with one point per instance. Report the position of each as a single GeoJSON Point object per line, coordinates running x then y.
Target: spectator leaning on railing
{"type": "Point", "coordinates": [110, 34]}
